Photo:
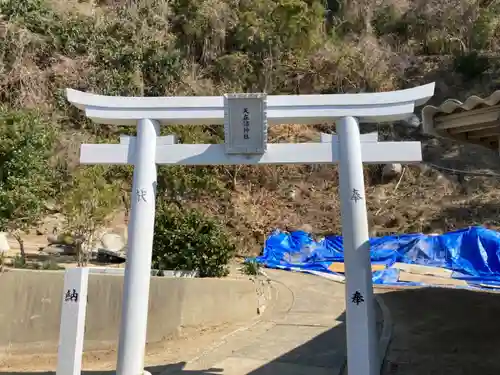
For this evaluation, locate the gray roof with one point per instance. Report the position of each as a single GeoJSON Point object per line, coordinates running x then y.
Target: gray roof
{"type": "Point", "coordinates": [474, 121]}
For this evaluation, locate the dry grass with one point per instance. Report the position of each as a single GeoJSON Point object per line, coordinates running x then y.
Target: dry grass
{"type": "Point", "coordinates": [22, 81]}
{"type": "Point", "coordinates": [87, 8]}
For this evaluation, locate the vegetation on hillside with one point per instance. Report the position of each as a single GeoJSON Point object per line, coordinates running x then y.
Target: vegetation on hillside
{"type": "Point", "coordinates": [210, 47]}
{"type": "Point", "coordinates": [26, 177]}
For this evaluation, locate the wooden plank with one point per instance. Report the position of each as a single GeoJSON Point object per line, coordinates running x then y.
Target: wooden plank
{"type": "Point", "coordinates": [418, 269]}
{"type": "Point", "coordinates": [430, 280]}
{"type": "Point", "coordinates": [339, 267]}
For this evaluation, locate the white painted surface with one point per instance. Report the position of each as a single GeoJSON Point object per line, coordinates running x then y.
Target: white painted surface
{"type": "Point", "coordinates": [277, 153]}
{"type": "Point", "coordinates": [297, 115]}
{"type": "Point", "coordinates": [134, 320]}
{"type": "Point", "coordinates": [368, 137]}
{"type": "Point", "coordinates": [164, 140]}
{"type": "Point", "coordinates": [362, 346]}
{"type": "Point", "coordinates": [72, 329]}
{"type": "Point", "coordinates": [245, 123]}
{"type": "Point", "coordinates": [419, 94]}
{"type": "Point", "coordinates": [281, 109]}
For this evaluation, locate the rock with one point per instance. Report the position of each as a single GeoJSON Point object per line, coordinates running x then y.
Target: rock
{"type": "Point", "coordinates": [4, 244]}
{"type": "Point", "coordinates": [52, 239]}
{"type": "Point", "coordinates": [112, 242]}
{"type": "Point", "coordinates": [413, 121]}
{"type": "Point", "coordinates": [392, 170]}
{"type": "Point", "coordinates": [52, 223]}
{"type": "Point", "coordinates": [59, 249]}
{"type": "Point", "coordinates": [52, 249]}
{"type": "Point", "coordinates": [434, 142]}
{"type": "Point", "coordinates": [62, 239]}
{"type": "Point", "coordinates": [122, 231]}
{"type": "Point", "coordinates": [51, 205]}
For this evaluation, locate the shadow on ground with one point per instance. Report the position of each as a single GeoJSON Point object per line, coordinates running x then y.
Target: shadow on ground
{"type": "Point", "coordinates": [324, 354]}
{"type": "Point", "coordinates": [443, 331]}
{"type": "Point", "coordinates": [318, 356]}
{"type": "Point", "coordinates": [154, 370]}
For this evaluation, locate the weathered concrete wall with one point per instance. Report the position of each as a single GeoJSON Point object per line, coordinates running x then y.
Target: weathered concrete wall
{"type": "Point", "coordinates": [30, 307]}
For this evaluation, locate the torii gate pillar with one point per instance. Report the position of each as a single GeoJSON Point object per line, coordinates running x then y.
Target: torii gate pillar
{"type": "Point", "coordinates": [359, 289]}
{"type": "Point", "coordinates": [140, 244]}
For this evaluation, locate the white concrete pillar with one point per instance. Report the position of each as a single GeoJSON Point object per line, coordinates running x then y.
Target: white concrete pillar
{"type": "Point", "coordinates": [134, 318]}
{"type": "Point", "coordinates": [362, 358]}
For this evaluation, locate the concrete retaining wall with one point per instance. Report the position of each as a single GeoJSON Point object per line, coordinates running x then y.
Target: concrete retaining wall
{"type": "Point", "coordinates": [30, 307]}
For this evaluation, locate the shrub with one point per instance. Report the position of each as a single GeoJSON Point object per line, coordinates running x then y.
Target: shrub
{"type": "Point", "coordinates": [471, 65]}
{"type": "Point", "coordinates": [188, 240]}
{"type": "Point", "coordinates": [18, 262]}
{"type": "Point", "coordinates": [251, 267]}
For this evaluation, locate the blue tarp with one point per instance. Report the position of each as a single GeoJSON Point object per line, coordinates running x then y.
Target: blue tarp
{"type": "Point", "coordinates": [473, 254]}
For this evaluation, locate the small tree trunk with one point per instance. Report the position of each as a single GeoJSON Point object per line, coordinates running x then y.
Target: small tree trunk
{"type": "Point", "coordinates": [126, 204]}
{"type": "Point", "coordinates": [20, 241]}
{"type": "Point", "coordinates": [79, 253]}
{"type": "Point", "coordinates": [87, 249]}
{"type": "Point", "coordinates": [2, 261]}
{"type": "Point", "coordinates": [22, 249]}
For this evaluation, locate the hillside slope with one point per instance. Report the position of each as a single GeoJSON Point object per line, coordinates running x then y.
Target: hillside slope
{"type": "Point", "coordinates": [209, 47]}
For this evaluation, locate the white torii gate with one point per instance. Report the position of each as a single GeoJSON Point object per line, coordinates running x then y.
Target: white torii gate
{"type": "Point", "coordinates": [246, 118]}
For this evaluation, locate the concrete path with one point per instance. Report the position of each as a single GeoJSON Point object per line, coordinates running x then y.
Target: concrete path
{"type": "Point", "coordinates": [303, 332]}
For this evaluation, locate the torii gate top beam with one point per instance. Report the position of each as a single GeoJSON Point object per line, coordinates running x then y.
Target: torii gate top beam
{"type": "Point", "coordinates": [281, 109]}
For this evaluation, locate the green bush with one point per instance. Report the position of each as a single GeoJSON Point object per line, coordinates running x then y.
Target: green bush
{"type": "Point", "coordinates": [251, 267]}
{"type": "Point", "coordinates": [471, 65]}
{"type": "Point", "coordinates": [188, 240]}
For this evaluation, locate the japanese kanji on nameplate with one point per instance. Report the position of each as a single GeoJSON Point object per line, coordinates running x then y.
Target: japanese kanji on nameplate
{"type": "Point", "coordinates": [245, 123]}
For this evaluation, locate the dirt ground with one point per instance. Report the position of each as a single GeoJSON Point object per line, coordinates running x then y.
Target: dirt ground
{"type": "Point", "coordinates": [438, 331]}
{"type": "Point", "coordinates": [162, 355]}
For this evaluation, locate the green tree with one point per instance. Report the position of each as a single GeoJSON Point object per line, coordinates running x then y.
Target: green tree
{"type": "Point", "coordinates": [187, 240]}
{"type": "Point", "coordinates": [26, 176]}
{"type": "Point", "coordinates": [88, 206]}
